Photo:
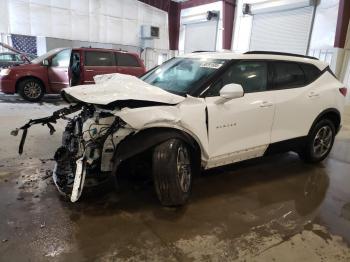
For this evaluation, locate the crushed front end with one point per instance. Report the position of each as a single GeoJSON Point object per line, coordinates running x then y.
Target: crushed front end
{"type": "Point", "coordinates": [88, 143]}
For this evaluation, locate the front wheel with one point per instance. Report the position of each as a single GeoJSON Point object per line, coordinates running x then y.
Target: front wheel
{"type": "Point", "coordinates": [172, 172]}
{"type": "Point", "coordinates": [319, 142]}
{"type": "Point", "coordinates": [31, 89]}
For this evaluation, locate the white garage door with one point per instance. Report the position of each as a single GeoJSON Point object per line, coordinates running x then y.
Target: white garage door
{"type": "Point", "coordinates": [201, 36]}
{"type": "Point", "coordinates": [285, 31]}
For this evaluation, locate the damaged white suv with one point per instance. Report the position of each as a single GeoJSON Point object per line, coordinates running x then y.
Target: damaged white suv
{"type": "Point", "coordinates": [193, 112]}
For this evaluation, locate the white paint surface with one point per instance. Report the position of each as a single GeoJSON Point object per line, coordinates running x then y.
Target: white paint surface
{"type": "Point", "coordinates": [117, 87]}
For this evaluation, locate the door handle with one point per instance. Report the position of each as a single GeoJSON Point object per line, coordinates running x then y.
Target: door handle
{"type": "Point", "coordinates": [89, 70]}
{"type": "Point", "coordinates": [313, 94]}
{"type": "Point", "coordinates": [266, 104]}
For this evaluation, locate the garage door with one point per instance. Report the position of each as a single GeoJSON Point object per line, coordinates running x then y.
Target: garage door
{"type": "Point", "coordinates": [285, 31]}
{"type": "Point", "coordinates": [200, 36]}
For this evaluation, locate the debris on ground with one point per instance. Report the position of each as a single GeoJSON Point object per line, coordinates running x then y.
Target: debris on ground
{"type": "Point", "coordinates": [20, 198]}
{"type": "Point", "coordinates": [4, 240]}
{"type": "Point", "coordinates": [47, 175]}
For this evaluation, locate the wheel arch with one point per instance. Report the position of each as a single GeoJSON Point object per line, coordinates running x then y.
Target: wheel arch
{"type": "Point", "coordinates": [332, 114]}
{"type": "Point", "coordinates": [29, 77]}
{"type": "Point", "coordinates": [144, 140]}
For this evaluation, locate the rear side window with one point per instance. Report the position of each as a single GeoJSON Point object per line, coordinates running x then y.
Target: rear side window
{"type": "Point", "coordinates": [127, 60]}
{"type": "Point", "coordinates": [311, 72]}
{"type": "Point", "coordinates": [97, 58]}
{"type": "Point", "coordinates": [287, 75]}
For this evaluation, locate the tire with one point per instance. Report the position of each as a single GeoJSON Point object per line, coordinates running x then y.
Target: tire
{"type": "Point", "coordinates": [172, 186]}
{"type": "Point", "coordinates": [319, 142]}
{"type": "Point", "coordinates": [31, 89]}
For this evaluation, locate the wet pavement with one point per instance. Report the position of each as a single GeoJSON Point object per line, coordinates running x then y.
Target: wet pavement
{"type": "Point", "coordinates": [271, 209]}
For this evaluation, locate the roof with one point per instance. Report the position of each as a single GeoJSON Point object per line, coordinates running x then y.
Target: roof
{"type": "Point", "coordinates": [104, 49]}
{"type": "Point", "coordinates": [268, 56]}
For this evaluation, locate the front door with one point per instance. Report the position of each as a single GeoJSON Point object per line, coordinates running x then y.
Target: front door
{"type": "Point", "coordinates": [240, 128]}
{"type": "Point", "coordinates": [58, 70]}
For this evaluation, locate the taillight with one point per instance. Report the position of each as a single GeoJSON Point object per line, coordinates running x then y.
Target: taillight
{"type": "Point", "coordinates": [343, 91]}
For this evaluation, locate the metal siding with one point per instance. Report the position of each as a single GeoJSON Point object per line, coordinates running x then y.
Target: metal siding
{"type": "Point", "coordinates": [286, 31]}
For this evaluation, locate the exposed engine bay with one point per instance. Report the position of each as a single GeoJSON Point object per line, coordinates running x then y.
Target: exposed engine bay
{"type": "Point", "coordinates": [81, 151]}
{"type": "Point", "coordinates": [86, 135]}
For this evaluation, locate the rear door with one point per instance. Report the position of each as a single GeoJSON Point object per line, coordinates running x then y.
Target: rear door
{"type": "Point", "coordinates": [58, 70]}
{"type": "Point", "coordinates": [129, 64]}
{"type": "Point", "coordinates": [97, 63]}
{"type": "Point", "coordinates": [299, 98]}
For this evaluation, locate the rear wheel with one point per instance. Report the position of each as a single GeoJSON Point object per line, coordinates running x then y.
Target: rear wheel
{"type": "Point", "coordinates": [319, 142]}
{"type": "Point", "coordinates": [172, 172]}
{"type": "Point", "coordinates": [31, 89]}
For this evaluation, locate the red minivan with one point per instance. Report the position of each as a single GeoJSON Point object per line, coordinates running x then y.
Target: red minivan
{"type": "Point", "coordinates": [63, 67]}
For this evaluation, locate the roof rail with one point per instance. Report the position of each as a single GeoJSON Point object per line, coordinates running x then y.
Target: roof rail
{"type": "Point", "coordinates": [278, 53]}
{"type": "Point", "coordinates": [202, 51]}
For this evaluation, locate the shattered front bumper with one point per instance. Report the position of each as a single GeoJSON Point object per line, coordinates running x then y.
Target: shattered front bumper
{"type": "Point", "coordinates": [78, 182]}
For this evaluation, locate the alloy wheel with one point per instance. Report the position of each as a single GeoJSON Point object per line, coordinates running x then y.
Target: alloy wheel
{"type": "Point", "coordinates": [184, 168]}
{"type": "Point", "coordinates": [32, 90]}
{"type": "Point", "coordinates": [322, 141]}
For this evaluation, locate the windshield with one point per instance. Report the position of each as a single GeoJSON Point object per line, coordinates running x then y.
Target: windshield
{"type": "Point", "coordinates": [39, 59]}
{"type": "Point", "coordinates": [182, 75]}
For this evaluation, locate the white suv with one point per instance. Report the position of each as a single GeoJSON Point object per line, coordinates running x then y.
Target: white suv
{"type": "Point", "coordinates": [197, 111]}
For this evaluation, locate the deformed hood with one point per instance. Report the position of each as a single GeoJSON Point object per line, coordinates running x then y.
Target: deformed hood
{"type": "Point", "coordinates": [118, 87]}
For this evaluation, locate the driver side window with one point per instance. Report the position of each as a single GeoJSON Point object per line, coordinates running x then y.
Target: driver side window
{"type": "Point", "coordinates": [252, 75]}
{"type": "Point", "coordinates": [61, 59]}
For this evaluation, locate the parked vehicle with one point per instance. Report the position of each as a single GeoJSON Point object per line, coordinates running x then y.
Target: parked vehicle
{"type": "Point", "coordinates": [8, 59]}
{"type": "Point", "coordinates": [63, 67]}
{"type": "Point", "coordinates": [197, 111]}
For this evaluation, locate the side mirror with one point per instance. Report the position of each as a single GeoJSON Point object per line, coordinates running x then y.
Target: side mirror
{"type": "Point", "coordinates": [45, 62]}
{"type": "Point", "coordinates": [230, 91]}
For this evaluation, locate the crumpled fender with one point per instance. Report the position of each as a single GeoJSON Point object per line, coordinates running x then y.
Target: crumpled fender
{"type": "Point", "coordinates": [187, 119]}
{"type": "Point", "coordinates": [139, 118]}
{"type": "Point", "coordinates": [146, 139]}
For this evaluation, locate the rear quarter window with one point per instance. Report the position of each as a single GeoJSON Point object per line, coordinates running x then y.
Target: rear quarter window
{"type": "Point", "coordinates": [124, 59]}
{"type": "Point", "coordinates": [311, 72]}
{"type": "Point", "coordinates": [97, 58]}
